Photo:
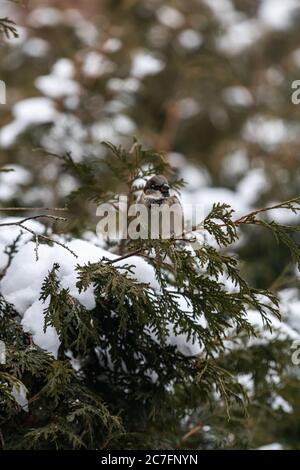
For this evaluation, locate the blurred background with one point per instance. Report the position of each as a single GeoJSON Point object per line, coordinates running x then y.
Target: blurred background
{"type": "Point", "coordinates": [207, 82]}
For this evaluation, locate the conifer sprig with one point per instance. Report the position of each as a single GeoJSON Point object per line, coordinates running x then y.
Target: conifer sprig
{"type": "Point", "coordinates": [8, 28]}
{"type": "Point", "coordinates": [170, 348]}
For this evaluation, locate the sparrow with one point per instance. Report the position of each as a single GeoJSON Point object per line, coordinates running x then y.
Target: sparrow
{"type": "Point", "coordinates": [156, 197]}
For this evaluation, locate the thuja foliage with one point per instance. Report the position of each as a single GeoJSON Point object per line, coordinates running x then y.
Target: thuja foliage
{"type": "Point", "coordinates": [8, 28]}
{"type": "Point", "coordinates": [133, 387]}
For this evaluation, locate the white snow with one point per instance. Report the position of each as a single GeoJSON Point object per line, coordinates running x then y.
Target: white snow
{"type": "Point", "coordinates": [23, 290]}
{"type": "Point", "coordinates": [144, 63]}
{"type": "Point", "coordinates": [280, 329]}
{"type": "Point", "coordinates": [10, 181]}
{"type": "Point", "coordinates": [86, 30]}
{"type": "Point", "coordinates": [278, 14]}
{"type": "Point", "coordinates": [45, 16]}
{"type": "Point", "coordinates": [223, 11]}
{"type": "Point", "coordinates": [283, 216]}
{"type": "Point", "coordinates": [22, 37]}
{"type": "Point", "coordinates": [170, 17]}
{"type": "Point", "coordinates": [36, 47]}
{"type": "Point", "coordinates": [56, 87]}
{"type": "Point", "coordinates": [19, 392]}
{"type": "Point", "coordinates": [112, 45]}
{"type": "Point", "coordinates": [206, 197]}
{"type": "Point", "coordinates": [268, 132]}
{"type": "Point", "coordinates": [9, 234]}
{"type": "Point", "coordinates": [246, 381]}
{"type": "Point", "coordinates": [195, 178]}
{"type": "Point", "coordinates": [123, 124]}
{"type": "Point", "coordinates": [102, 131]}
{"type": "Point", "coordinates": [247, 31]}
{"type": "Point", "coordinates": [237, 96]}
{"type": "Point", "coordinates": [33, 323]}
{"type": "Point", "coordinates": [253, 185]}
{"type": "Point", "coordinates": [188, 107]}
{"type": "Point", "coordinates": [190, 39]}
{"type": "Point", "coordinates": [273, 446]}
{"type": "Point", "coordinates": [96, 65]}
{"type": "Point", "coordinates": [110, 128]}
{"type": "Point", "coordinates": [31, 111]}
{"type": "Point", "coordinates": [67, 134]}
{"type": "Point", "coordinates": [235, 164]}
{"type": "Point", "coordinates": [34, 111]}
{"type": "Point", "coordinates": [290, 305]}
{"type": "Point", "coordinates": [128, 85]}
{"type": "Point", "coordinates": [279, 403]}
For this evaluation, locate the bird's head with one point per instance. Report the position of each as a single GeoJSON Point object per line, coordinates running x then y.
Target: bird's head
{"type": "Point", "coordinates": [157, 187]}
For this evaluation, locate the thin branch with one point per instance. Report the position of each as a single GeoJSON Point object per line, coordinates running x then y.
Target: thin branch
{"type": "Point", "coordinates": [128, 255]}
{"type": "Point", "coordinates": [280, 205]}
{"type": "Point", "coordinates": [35, 217]}
{"type": "Point", "coordinates": [246, 219]}
{"type": "Point", "coordinates": [48, 239]}
{"type": "Point", "coordinates": [37, 236]}
{"type": "Point", "coordinates": [195, 430]}
{"type": "Point", "coordinates": [29, 209]}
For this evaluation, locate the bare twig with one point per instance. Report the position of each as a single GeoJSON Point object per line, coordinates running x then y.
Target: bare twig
{"type": "Point", "coordinates": [36, 248]}
{"type": "Point", "coordinates": [194, 430]}
{"type": "Point", "coordinates": [33, 209]}
{"type": "Point", "coordinates": [280, 205]}
{"type": "Point", "coordinates": [35, 217]}
{"type": "Point", "coordinates": [1, 440]}
{"type": "Point", "coordinates": [37, 237]}
{"type": "Point", "coordinates": [128, 255]}
{"type": "Point", "coordinates": [48, 239]}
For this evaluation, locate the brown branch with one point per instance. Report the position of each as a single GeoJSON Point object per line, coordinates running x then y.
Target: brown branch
{"type": "Point", "coordinates": [166, 139]}
{"type": "Point", "coordinates": [280, 205]}
{"type": "Point", "coordinates": [128, 255]}
{"type": "Point", "coordinates": [194, 430]}
{"type": "Point", "coordinates": [29, 209]}
{"type": "Point", "coordinates": [239, 221]}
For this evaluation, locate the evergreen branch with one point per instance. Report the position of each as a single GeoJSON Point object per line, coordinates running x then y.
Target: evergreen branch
{"type": "Point", "coordinates": [223, 211]}
{"type": "Point", "coordinates": [8, 28]}
{"type": "Point", "coordinates": [10, 251]}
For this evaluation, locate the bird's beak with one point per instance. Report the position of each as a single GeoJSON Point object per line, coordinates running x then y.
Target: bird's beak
{"type": "Point", "coordinates": [165, 190]}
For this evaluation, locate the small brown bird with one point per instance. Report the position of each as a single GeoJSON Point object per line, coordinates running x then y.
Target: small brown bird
{"type": "Point", "coordinates": [156, 197]}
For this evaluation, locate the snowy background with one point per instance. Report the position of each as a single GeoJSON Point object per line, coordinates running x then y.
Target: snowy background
{"type": "Point", "coordinates": [209, 83]}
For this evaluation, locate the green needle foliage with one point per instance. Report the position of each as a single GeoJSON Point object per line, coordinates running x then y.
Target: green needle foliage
{"type": "Point", "coordinates": [134, 388]}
